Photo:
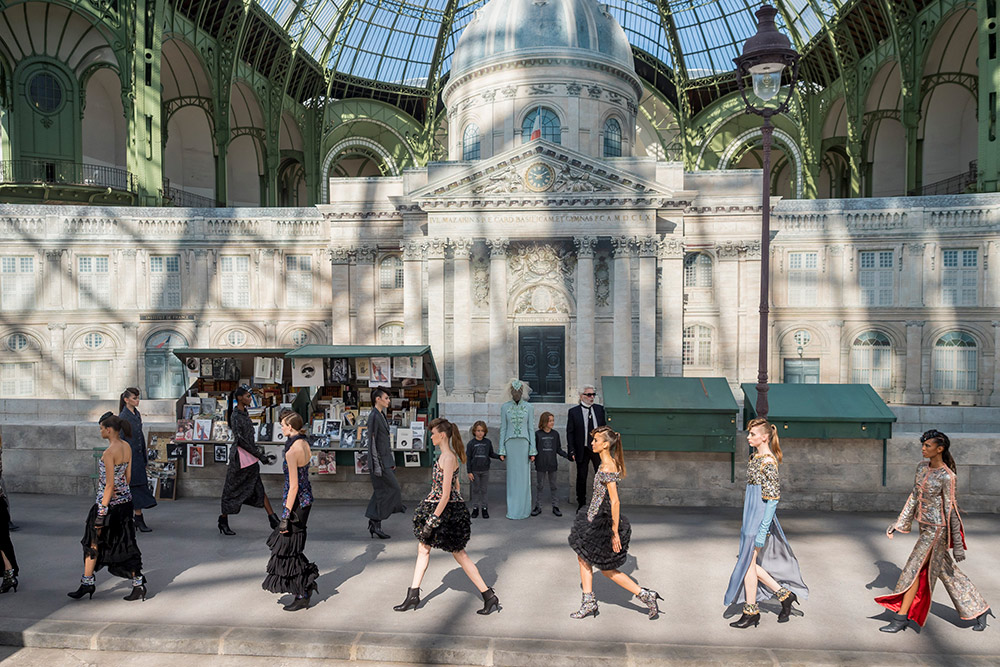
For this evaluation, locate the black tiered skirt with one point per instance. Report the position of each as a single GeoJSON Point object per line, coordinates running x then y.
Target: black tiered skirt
{"type": "Point", "coordinates": [455, 530]}
{"type": "Point", "coordinates": [114, 544]}
{"type": "Point", "coordinates": [591, 540]}
{"type": "Point", "coordinates": [288, 570]}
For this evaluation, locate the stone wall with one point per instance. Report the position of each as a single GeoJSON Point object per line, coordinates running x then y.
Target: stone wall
{"type": "Point", "coordinates": [48, 448]}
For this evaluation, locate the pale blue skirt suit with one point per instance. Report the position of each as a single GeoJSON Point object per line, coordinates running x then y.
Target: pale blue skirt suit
{"type": "Point", "coordinates": [517, 444]}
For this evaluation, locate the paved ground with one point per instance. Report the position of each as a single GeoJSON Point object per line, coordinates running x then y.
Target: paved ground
{"type": "Point", "coordinates": [206, 598]}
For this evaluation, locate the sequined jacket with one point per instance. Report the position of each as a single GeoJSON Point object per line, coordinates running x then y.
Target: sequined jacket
{"type": "Point", "coordinates": [762, 469]}
{"type": "Point", "coordinates": [932, 503]}
{"type": "Point", "coordinates": [517, 420]}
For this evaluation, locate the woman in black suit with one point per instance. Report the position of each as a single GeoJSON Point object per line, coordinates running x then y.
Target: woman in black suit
{"type": "Point", "coordinates": [387, 497]}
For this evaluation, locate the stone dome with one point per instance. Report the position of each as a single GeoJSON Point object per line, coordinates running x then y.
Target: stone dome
{"type": "Point", "coordinates": [505, 28]}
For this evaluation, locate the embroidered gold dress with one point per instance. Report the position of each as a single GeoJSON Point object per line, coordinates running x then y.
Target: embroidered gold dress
{"type": "Point", "coordinates": [932, 503]}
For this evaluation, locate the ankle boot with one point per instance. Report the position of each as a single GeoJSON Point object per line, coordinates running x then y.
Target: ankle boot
{"type": "Point", "coordinates": [649, 598]}
{"type": "Point", "coordinates": [490, 602]}
{"type": "Point", "coordinates": [588, 607]}
{"type": "Point", "coordinates": [224, 525]}
{"type": "Point", "coordinates": [138, 592]}
{"type": "Point", "coordinates": [475, 513]}
{"type": "Point", "coordinates": [10, 581]}
{"type": "Point", "coordinates": [375, 530]}
{"type": "Point", "coordinates": [84, 589]}
{"type": "Point", "coordinates": [411, 601]}
{"type": "Point", "coordinates": [273, 520]}
{"type": "Point", "coordinates": [298, 603]}
{"type": "Point", "coordinates": [786, 606]}
{"type": "Point", "coordinates": [140, 523]}
{"type": "Point", "coordinates": [751, 616]}
{"type": "Point", "coordinates": [978, 627]}
{"type": "Point", "coordinates": [898, 623]}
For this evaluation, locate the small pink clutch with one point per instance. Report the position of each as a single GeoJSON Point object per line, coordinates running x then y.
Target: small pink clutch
{"type": "Point", "coordinates": [246, 458]}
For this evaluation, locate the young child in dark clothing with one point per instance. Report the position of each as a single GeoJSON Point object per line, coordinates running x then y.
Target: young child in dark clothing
{"type": "Point", "coordinates": [546, 465]}
{"type": "Point", "coordinates": [478, 453]}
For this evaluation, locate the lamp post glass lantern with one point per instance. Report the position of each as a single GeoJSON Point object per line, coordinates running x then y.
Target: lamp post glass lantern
{"type": "Point", "coordinates": [765, 57]}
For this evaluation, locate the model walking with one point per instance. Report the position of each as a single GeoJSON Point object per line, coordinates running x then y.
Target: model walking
{"type": "Point", "coordinates": [288, 570]}
{"type": "Point", "coordinates": [517, 448]}
{"type": "Point", "coordinates": [935, 507]}
{"type": "Point", "coordinates": [109, 534]}
{"type": "Point", "coordinates": [601, 533]}
{"type": "Point", "coordinates": [142, 499]}
{"type": "Point", "coordinates": [387, 497]}
{"type": "Point", "coordinates": [764, 556]}
{"type": "Point", "coordinates": [6, 546]}
{"type": "Point", "coordinates": [442, 519]}
{"type": "Point", "coordinates": [243, 485]}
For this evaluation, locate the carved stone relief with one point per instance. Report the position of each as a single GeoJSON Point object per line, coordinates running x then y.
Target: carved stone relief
{"type": "Point", "coordinates": [569, 180]}
{"type": "Point", "coordinates": [541, 299]}
{"type": "Point", "coordinates": [602, 281]}
{"type": "Point", "coordinates": [502, 181]}
{"type": "Point", "coordinates": [536, 264]}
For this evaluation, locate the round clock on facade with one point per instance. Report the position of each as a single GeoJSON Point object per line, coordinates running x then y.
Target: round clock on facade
{"type": "Point", "coordinates": [539, 177]}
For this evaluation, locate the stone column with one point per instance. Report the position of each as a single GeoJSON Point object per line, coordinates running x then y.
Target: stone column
{"type": "Point", "coordinates": [839, 362]}
{"type": "Point", "coordinates": [912, 270]}
{"type": "Point", "coordinates": [995, 397]}
{"type": "Point", "coordinates": [363, 292]}
{"type": "Point", "coordinates": [129, 363]}
{"type": "Point", "coordinates": [647, 305]}
{"type": "Point", "coordinates": [585, 311]}
{"type": "Point", "coordinates": [672, 305]}
{"type": "Point", "coordinates": [413, 327]}
{"type": "Point", "coordinates": [59, 382]}
{"type": "Point", "coordinates": [53, 287]}
{"type": "Point", "coordinates": [622, 295]}
{"type": "Point", "coordinates": [913, 390]}
{"type": "Point", "coordinates": [992, 276]}
{"type": "Point", "coordinates": [499, 373]}
{"type": "Point", "coordinates": [436, 249]}
{"type": "Point", "coordinates": [340, 284]}
{"type": "Point", "coordinates": [462, 321]}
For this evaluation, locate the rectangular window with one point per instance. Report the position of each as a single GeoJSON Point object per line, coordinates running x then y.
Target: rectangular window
{"type": "Point", "coordinates": [17, 380]}
{"type": "Point", "coordinates": [235, 273]}
{"type": "Point", "coordinates": [960, 278]}
{"type": "Point", "coordinates": [93, 282]}
{"type": "Point", "coordinates": [17, 283]}
{"type": "Point", "coordinates": [298, 281]}
{"type": "Point", "coordinates": [875, 277]}
{"type": "Point", "coordinates": [165, 281]}
{"type": "Point", "coordinates": [93, 378]}
{"type": "Point", "coordinates": [803, 275]}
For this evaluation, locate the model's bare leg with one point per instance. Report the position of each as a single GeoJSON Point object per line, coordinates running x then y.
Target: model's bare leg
{"type": "Point", "coordinates": [471, 571]}
{"type": "Point", "coordinates": [6, 563]}
{"type": "Point", "coordinates": [88, 563]}
{"type": "Point", "coordinates": [622, 580]}
{"type": "Point", "coordinates": [764, 577]}
{"type": "Point", "coordinates": [908, 597]}
{"type": "Point", "coordinates": [423, 559]}
{"type": "Point", "coordinates": [750, 579]}
{"type": "Point", "coordinates": [586, 575]}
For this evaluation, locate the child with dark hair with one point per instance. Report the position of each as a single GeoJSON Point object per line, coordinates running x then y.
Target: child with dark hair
{"type": "Point", "coordinates": [478, 453]}
{"type": "Point", "coordinates": [546, 464]}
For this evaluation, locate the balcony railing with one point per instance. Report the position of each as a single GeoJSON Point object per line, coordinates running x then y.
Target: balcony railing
{"type": "Point", "coordinates": [177, 197]}
{"type": "Point", "coordinates": [60, 172]}
{"type": "Point", "coordinates": [955, 185]}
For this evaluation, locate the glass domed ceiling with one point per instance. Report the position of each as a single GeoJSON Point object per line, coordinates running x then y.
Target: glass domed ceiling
{"type": "Point", "coordinates": [408, 42]}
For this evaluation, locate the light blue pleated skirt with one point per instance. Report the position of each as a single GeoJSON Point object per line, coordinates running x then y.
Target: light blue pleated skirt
{"type": "Point", "coordinates": [518, 479]}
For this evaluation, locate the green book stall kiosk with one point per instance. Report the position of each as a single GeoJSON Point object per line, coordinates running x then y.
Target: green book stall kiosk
{"type": "Point", "coordinates": [824, 412]}
{"type": "Point", "coordinates": [673, 414]}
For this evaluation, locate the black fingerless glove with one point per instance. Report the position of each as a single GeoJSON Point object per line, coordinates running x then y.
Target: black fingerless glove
{"type": "Point", "coordinates": [433, 521]}
{"type": "Point", "coordinates": [283, 526]}
{"type": "Point", "coordinates": [101, 519]}
{"type": "Point", "coordinates": [269, 459]}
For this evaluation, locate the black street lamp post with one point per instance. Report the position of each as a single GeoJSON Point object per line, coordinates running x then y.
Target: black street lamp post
{"type": "Point", "coordinates": [764, 57]}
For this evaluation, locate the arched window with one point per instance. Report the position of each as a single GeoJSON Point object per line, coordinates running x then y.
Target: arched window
{"type": "Point", "coordinates": [871, 360]}
{"type": "Point", "coordinates": [954, 362]}
{"type": "Point", "coordinates": [697, 348]}
{"type": "Point", "coordinates": [390, 273]}
{"type": "Point", "coordinates": [697, 270]}
{"type": "Point", "coordinates": [612, 138]}
{"type": "Point", "coordinates": [236, 338]}
{"type": "Point", "coordinates": [390, 333]}
{"type": "Point", "coordinates": [470, 142]}
{"type": "Point", "coordinates": [548, 121]}
{"type": "Point", "coordinates": [300, 337]}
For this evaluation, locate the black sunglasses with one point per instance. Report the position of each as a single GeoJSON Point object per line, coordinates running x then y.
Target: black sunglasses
{"type": "Point", "coordinates": [590, 394]}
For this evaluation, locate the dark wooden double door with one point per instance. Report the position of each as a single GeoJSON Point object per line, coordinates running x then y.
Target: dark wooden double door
{"type": "Point", "coordinates": [542, 362]}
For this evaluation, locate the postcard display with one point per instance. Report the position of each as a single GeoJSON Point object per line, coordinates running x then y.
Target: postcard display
{"type": "Point", "coordinates": [202, 438]}
{"type": "Point", "coordinates": [339, 428]}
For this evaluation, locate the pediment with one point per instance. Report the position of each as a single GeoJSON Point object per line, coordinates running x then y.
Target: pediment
{"type": "Point", "coordinates": [539, 174]}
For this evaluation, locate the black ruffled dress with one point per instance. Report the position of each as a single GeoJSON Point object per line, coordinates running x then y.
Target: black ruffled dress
{"type": "Point", "coordinates": [456, 527]}
{"type": "Point", "coordinates": [114, 545]}
{"type": "Point", "coordinates": [593, 527]}
{"type": "Point", "coordinates": [288, 570]}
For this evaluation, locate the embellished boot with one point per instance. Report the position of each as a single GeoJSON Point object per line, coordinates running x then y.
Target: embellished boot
{"type": "Point", "coordinates": [490, 603]}
{"type": "Point", "coordinates": [411, 601]}
{"type": "Point", "coordinates": [787, 599]}
{"type": "Point", "coordinates": [138, 589]}
{"type": "Point", "coordinates": [897, 624]}
{"type": "Point", "coordinates": [751, 616]}
{"type": "Point", "coordinates": [649, 598]}
{"type": "Point", "coordinates": [87, 587]}
{"type": "Point", "coordinates": [588, 607]}
{"type": "Point", "coordinates": [9, 581]}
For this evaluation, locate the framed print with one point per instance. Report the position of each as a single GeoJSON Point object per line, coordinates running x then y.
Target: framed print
{"type": "Point", "coordinates": [167, 488]}
{"type": "Point", "coordinates": [410, 368]}
{"type": "Point", "coordinates": [348, 438]}
{"type": "Point", "coordinates": [185, 429]}
{"type": "Point", "coordinates": [333, 429]}
{"type": "Point", "coordinates": [202, 429]}
{"type": "Point", "coordinates": [361, 463]}
{"type": "Point", "coordinates": [326, 463]}
{"type": "Point", "coordinates": [273, 468]}
{"type": "Point", "coordinates": [404, 438]}
{"type": "Point", "coordinates": [362, 368]}
{"type": "Point", "coordinates": [220, 453]}
{"type": "Point", "coordinates": [411, 459]}
{"type": "Point", "coordinates": [337, 372]}
{"type": "Point", "coordinates": [220, 431]}
{"type": "Point", "coordinates": [307, 372]}
{"type": "Point", "coordinates": [176, 450]}
{"type": "Point", "coordinates": [196, 455]}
